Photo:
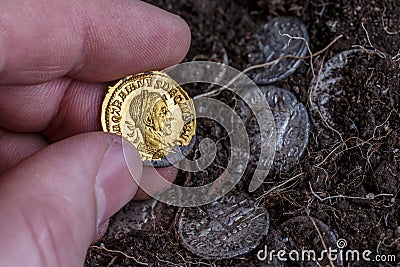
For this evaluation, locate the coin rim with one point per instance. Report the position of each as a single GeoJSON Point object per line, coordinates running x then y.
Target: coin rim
{"type": "Point", "coordinates": [163, 162]}
{"type": "Point", "coordinates": [296, 62]}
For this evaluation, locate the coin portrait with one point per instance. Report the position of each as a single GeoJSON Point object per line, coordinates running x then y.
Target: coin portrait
{"type": "Point", "coordinates": [152, 112]}
{"type": "Point", "coordinates": [150, 123]}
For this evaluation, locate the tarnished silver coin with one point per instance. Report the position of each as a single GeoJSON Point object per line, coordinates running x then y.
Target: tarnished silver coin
{"type": "Point", "coordinates": [292, 126]}
{"type": "Point", "coordinates": [149, 216]}
{"type": "Point", "coordinates": [323, 87]}
{"type": "Point", "coordinates": [204, 71]}
{"type": "Point", "coordinates": [272, 42]}
{"type": "Point", "coordinates": [228, 227]}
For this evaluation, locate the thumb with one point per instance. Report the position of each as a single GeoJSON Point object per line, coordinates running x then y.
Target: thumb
{"type": "Point", "coordinates": [52, 203]}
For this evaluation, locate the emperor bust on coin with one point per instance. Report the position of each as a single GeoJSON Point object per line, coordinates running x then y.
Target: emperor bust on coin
{"type": "Point", "coordinates": [152, 112]}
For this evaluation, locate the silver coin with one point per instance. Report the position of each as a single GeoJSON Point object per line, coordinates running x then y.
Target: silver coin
{"type": "Point", "coordinates": [204, 70]}
{"type": "Point", "coordinates": [292, 126]}
{"type": "Point", "coordinates": [228, 227]}
{"type": "Point", "coordinates": [323, 90]}
{"type": "Point", "coordinates": [146, 215]}
{"type": "Point", "coordinates": [271, 42]}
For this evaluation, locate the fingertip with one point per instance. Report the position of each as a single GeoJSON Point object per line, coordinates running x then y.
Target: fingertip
{"type": "Point", "coordinates": [94, 41]}
{"type": "Point", "coordinates": [180, 39]}
{"type": "Point", "coordinates": [116, 180]}
{"type": "Point", "coordinates": [101, 230]}
{"type": "Point", "coordinates": [169, 173]}
{"type": "Point", "coordinates": [52, 195]}
{"type": "Point", "coordinates": [151, 180]}
{"type": "Point", "coordinates": [149, 39]}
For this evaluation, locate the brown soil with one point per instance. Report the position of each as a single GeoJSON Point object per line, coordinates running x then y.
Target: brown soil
{"type": "Point", "coordinates": [349, 175]}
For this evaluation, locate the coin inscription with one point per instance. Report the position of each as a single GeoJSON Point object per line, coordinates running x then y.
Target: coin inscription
{"type": "Point", "coordinates": [152, 112]}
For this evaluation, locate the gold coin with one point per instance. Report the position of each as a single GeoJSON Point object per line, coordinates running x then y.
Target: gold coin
{"type": "Point", "coordinates": [151, 111]}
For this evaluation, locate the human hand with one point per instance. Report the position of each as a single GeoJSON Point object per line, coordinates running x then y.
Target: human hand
{"type": "Point", "coordinates": [60, 180]}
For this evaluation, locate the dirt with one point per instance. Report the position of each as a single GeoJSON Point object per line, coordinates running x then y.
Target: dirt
{"type": "Point", "coordinates": [348, 179]}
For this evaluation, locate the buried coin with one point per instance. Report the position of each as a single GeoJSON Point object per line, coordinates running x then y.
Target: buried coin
{"type": "Point", "coordinates": [346, 96]}
{"type": "Point", "coordinates": [201, 70]}
{"type": "Point", "coordinates": [134, 216]}
{"type": "Point", "coordinates": [149, 216]}
{"type": "Point", "coordinates": [292, 126]}
{"type": "Point", "coordinates": [323, 90]}
{"type": "Point", "coordinates": [154, 113]}
{"type": "Point", "coordinates": [274, 41]}
{"type": "Point", "coordinates": [228, 227]}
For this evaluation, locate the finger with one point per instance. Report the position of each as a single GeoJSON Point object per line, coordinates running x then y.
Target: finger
{"type": "Point", "coordinates": [101, 230]}
{"type": "Point", "coordinates": [60, 108]}
{"type": "Point", "coordinates": [89, 40]}
{"type": "Point", "coordinates": [15, 147]}
{"type": "Point", "coordinates": [52, 202]}
{"type": "Point", "coordinates": [153, 181]}
{"type": "Point", "coordinates": [78, 112]}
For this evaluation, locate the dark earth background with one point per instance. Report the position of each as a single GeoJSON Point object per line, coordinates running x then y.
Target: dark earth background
{"type": "Point", "coordinates": [348, 177]}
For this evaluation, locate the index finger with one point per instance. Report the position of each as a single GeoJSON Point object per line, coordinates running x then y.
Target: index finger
{"type": "Point", "coordinates": [89, 40]}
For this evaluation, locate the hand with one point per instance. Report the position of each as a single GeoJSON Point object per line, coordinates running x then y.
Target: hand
{"type": "Point", "coordinates": [60, 181]}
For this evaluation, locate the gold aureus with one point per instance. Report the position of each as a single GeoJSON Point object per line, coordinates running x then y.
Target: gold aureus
{"type": "Point", "coordinates": [151, 111]}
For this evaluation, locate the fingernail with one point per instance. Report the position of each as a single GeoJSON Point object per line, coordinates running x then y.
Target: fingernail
{"type": "Point", "coordinates": [115, 185]}
{"type": "Point", "coordinates": [101, 230]}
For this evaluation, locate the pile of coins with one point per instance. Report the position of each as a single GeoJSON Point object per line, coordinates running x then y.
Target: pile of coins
{"type": "Point", "coordinates": [235, 224]}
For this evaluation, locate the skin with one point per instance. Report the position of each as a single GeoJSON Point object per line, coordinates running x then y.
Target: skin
{"type": "Point", "coordinates": [61, 177]}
